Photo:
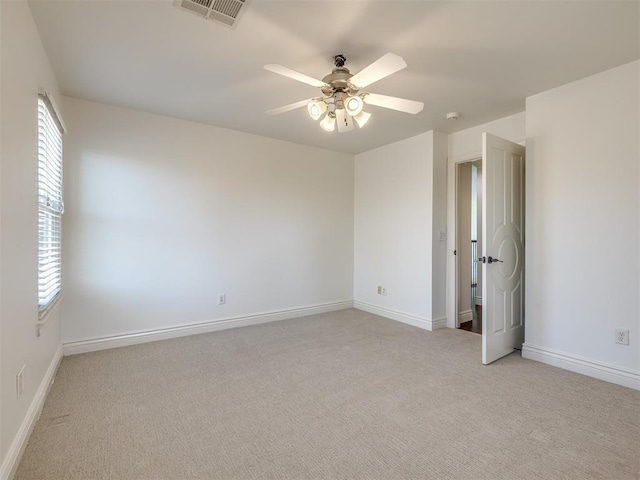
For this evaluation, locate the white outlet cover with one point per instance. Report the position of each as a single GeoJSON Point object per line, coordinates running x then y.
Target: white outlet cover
{"type": "Point", "coordinates": [622, 336]}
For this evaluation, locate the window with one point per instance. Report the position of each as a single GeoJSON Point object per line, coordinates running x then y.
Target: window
{"type": "Point", "coordinates": [50, 205]}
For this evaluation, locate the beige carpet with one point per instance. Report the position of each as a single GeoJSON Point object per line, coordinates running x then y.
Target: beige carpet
{"type": "Point", "coordinates": [346, 395]}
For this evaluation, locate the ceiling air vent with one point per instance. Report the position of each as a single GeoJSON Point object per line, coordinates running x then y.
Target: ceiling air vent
{"type": "Point", "coordinates": [224, 11]}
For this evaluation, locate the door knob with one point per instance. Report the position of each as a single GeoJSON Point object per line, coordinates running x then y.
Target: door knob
{"type": "Point", "coordinates": [493, 260]}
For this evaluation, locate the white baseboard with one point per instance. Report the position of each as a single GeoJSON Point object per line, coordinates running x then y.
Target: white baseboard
{"type": "Point", "coordinates": [420, 322]}
{"type": "Point", "coordinates": [466, 316]}
{"type": "Point", "coordinates": [144, 336]}
{"type": "Point", "coordinates": [603, 371]}
{"type": "Point", "coordinates": [17, 447]}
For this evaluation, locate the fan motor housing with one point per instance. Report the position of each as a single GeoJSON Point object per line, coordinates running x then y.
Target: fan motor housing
{"type": "Point", "coordinates": [338, 81]}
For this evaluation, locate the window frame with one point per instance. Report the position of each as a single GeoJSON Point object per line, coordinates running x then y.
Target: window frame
{"type": "Point", "coordinates": [50, 204]}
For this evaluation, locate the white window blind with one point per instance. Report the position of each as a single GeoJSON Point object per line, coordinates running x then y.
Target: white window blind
{"type": "Point", "coordinates": [50, 205]}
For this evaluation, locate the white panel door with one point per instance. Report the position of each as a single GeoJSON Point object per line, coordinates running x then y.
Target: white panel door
{"type": "Point", "coordinates": [503, 247]}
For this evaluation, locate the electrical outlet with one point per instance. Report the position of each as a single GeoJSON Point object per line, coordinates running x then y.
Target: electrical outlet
{"type": "Point", "coordinates": [384, 291]}
{"type": "Point", "coordinates": [222, 299]}
{"type": "Point", "coordinates": [379, 290]}
{"type": "Point", "coordinates": [20, 382]}
{"type": "Point", "coordinates": [622, 336]}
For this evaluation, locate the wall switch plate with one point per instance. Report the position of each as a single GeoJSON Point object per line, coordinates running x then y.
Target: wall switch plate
{"type": "Point", "coordinates": [222, 299]}
{"type": "Point", "coordinates": [622, 336]}
{"type": "Point", "coordinates": [20, 382]}
{"type": "Point", "coordinates": [442, 235]}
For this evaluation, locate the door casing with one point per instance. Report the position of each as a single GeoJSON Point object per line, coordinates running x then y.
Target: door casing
{"type": "Point", "coordinates": [452, 182]}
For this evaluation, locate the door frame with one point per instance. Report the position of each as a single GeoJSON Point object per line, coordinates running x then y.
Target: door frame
{"type": "Point", "coordinates": [454, 233]}
{"type": "Point", "coordinates": [452, 195]}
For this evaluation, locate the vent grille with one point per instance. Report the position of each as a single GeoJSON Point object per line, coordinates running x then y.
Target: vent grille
{"type": "Point", "coordinates": [223, 11]}
{"type": "Point", "coordinates": [230, 8]}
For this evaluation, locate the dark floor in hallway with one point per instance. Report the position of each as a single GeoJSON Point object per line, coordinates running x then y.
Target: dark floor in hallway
{"type": "Point", "coordinates": [474, 325]}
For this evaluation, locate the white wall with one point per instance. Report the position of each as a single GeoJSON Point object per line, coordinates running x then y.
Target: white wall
{"type": "Point", "coordinates": [439, 230]}
{"type": "Point", "coordinates": [25, 69]}
{"type": "Point", "coordinates": [394, 219]}
{"type": "Point", "coordinates": [467, 144]}
{"type": "Point", "coordinates": [464, 146]}
{"type": "Point", "coordinates": [162, 215]}
{"type": "Point", "coordinates": [583, 233]}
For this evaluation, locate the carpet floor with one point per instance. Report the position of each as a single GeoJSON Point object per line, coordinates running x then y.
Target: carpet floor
{"type": "Point", "coordinates": [344, 395]}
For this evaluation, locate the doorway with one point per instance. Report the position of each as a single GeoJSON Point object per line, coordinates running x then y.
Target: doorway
{"type": "Point", "coordinates": [501, 250]}
{"type": "Point", "coordinates": [469, 245]}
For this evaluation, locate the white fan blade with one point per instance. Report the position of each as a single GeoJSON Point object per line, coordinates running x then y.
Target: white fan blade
{"type": "Point", "coordinates": [287, 72]}
{"type": "Point", "coordinates": [344, 121]}
{"type": "Point", "coordinates": [288, 108]}
{"type": "Point", "coordinates": [394, 103]}
{"type": "Point", "coordinates": [383, 67]}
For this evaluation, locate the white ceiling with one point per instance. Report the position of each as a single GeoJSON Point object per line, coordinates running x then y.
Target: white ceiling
{"type": "Point", "coordinates": [481, 58]}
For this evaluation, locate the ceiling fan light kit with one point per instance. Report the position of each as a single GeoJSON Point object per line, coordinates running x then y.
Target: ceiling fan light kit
{"type": "Point", "coordinates": [354, 105]}
{"type": "Point", "coordinates": [342, 102]}
{"type": "Point", "coordinates": [362, 118]}
{"type": "Point", "coordinates": [316, 108]}
{"type": "Point", "coordinates": [328, 123]}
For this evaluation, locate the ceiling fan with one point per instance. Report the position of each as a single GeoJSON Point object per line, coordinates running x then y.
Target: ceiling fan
{"type": "Point", "coordinates": [342, 100]}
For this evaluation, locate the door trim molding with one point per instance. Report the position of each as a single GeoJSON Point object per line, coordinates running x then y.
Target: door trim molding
{"type": "Point", "coordinates": [468, 156]}
{"type": "Point", "coordinates": [591, 368]}
{"type": "Point", "coordinates": [452, 239]}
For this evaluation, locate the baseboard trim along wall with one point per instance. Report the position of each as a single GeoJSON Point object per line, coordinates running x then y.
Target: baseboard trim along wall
{"type": "Point", "coordinates": [466, 316]}
{"type": "Point", "coordinates": [134, 338]}
{"type": "Point", "coordinates": [16, 450]}
{"type": "Point", "coordinates": [420, 322]}
{"type": "Point", "coordinates": [609, 373]}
